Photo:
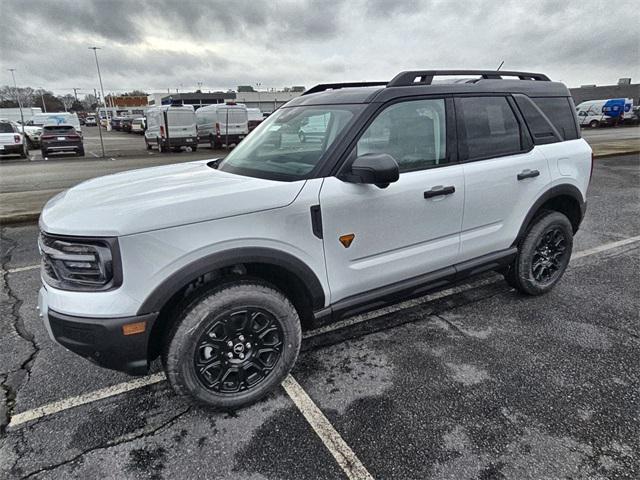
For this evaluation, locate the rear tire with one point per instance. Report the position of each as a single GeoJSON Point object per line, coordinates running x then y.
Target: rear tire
{"type": "Point", "coordinates": [44, 152]}
{"type": "Point", "coordinates": [594, 124]}
{"type": "Point", "coordinates": [194, 148]}
{"type": "Point", "coordinates": [543, 256]}
{"type": "Point", "coordinates": [24, 153]}
{"type": "Point", "coordinates": [233, 344]}
{"type": "Point", "coordinates": [148, 145]}
{"type": "Point", "coordinates": [161, 148]}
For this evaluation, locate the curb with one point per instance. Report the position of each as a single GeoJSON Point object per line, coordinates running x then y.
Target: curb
{"type": "Point", "coordinates": [19, 218]}
{"type": "Point", "coordinates": [32, 217]}
{"type": "Point", "coordinates": [616, 154]}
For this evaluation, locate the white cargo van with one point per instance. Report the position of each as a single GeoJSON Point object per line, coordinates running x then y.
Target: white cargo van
{"type": "Point", "coordinates": [590, 113]}
{"type": "Point", "coordinates": [222, 124]}
{"type": "Point", "coordinates": [56, 118]}
{"type": "Point", "coordinates": [171, 127]}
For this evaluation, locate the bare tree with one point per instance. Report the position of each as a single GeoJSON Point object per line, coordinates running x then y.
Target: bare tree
{"type": "Point", "coordinates": [67, 100]}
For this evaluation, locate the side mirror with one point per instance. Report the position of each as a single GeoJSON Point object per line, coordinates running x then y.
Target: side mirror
{"type": "Point", "coordinates": [379, 169]}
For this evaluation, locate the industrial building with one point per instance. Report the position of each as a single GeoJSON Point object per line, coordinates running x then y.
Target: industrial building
{"type": "Point", "coordinates": [624, 89]}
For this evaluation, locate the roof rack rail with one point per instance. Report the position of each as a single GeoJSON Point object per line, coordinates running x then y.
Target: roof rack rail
{"type": "Point", "coordinates": [337, 86]}
{"type": "Point", "coordinates": [425, 77]}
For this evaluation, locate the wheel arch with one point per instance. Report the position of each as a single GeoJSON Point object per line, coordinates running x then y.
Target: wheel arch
{"type": "Point", "coordinates": [566, 199]}
{"type": "Point", "coordinates": [283, 270]}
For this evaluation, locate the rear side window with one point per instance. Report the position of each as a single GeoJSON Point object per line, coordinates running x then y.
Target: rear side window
{"type": "Point", "coordinates": [541, 129]}
{"type": "Point", "coordinates": [488, 127]}
{"type": "Point", "coordinates": [560, 111]}
{"type": "Point", "coordinates": [414, 133]}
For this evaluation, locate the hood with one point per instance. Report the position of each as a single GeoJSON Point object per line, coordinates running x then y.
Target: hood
{"type": "Point", "coordinates": [160, 197]}
{"type": "Point", "coordinates": [32, 129]}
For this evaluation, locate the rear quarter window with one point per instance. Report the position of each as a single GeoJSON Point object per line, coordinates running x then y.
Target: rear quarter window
{"type": "Point", "coordinates": [560, 110]}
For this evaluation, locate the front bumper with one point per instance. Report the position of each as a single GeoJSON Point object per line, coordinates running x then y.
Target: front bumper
{"type": "Point", "coordinates": [180, 141]}
{"type": "Point", "coordinates": [100, 340]}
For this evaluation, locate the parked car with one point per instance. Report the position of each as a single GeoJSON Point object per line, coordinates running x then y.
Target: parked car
{"type": "Point", "coordinates": [217, 265]}
{"type": "Point", "coordinates": [60, 138]}
{"type": "Point", "coordinates": [314, 128]}
{"type": "Point", "coordinates": [171, 127]}
{"type": "Point", "coordinates": [126, 124]}
{"type": "Point", "coordinates": [12, 142]}
{"type": "Point", "coordinates": [90, 121]}
{"type": "Point", "coordinates": [222, 124]}
{"type": "Point", "coordinates": [254, 118]}
{"type": "Point", "coordinates": [138, 125]}
{"type": "Point", "coordinates": [116, 123]}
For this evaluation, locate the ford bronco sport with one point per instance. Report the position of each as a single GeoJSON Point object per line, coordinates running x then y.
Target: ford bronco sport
{"type": "Point", "coordinates": [216, 266]}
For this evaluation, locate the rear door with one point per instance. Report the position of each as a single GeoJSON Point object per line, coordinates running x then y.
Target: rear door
{"type": "Point", "coordinates": [411, 227]}
{"type": "Point", "coordinates": [181, 122]}
{"type": "Point", "coordinates": [503, 173]}
{"type": "Point", "coordinates": [233, 120]}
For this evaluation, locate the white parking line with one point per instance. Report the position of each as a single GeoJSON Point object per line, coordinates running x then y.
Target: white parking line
{"type": "Point", "coordinates": [605, 247]}
{"type": "Point", "coordinates": [71, 402]}
{"type": "Point", "coordinates": [23, 269]}
{"type": "Point", "coordinates": [65, 404]}
{"type": "Point", "coordinates": [348, 461]}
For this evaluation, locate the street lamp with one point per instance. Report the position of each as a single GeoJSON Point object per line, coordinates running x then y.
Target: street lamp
{"type": "Point", "coordinates": [258, 85]}
{"type": "Point", "coordinates": [15, 85]}
{"type": "Point", "coordinates": [44, 106]}
{"type": "Point", "coordinates": [95, 52]}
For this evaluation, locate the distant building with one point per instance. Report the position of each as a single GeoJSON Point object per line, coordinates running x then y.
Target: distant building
{"type": "Point", "coordinates": [126, 100]}
{"type": "Point", "coordinates": [624, 89]}
{"type": "Point", "coordinates": [267, 102]}
{"type": "Point", "coordinates": [197, 99]}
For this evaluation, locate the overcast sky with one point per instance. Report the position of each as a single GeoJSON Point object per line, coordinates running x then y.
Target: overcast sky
{"type": "Point", "coordinates": [163, 44]}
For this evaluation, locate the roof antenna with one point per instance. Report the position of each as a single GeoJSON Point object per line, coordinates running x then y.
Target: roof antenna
{"type": "Point", "coordinates": [501, 63]}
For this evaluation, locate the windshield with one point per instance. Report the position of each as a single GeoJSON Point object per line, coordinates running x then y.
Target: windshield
{"type": "Point", "coordinates": [289, 144]}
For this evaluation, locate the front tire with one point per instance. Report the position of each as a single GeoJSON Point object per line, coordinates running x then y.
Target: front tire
{"type": "Point", "coordinates": [233, 345]}
{"type": "Point", "coordinates": [543, 255]}
{"type": "Point", "coordinates": [594, 123]}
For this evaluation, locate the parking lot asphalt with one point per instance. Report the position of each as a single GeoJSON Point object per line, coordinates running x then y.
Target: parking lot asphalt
{"type": "Point", "coordinates": [475, 382]}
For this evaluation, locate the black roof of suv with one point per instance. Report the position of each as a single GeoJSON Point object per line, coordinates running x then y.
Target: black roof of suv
{"type": "Point", "coordinates": [421, 82]}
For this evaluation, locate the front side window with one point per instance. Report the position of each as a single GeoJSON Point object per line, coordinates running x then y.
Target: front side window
{"type": "Point", "coordinates": [413, 133]}
{"type": "Point", "coordinates": [290, 142]}
{"type": "Point", "coordinates": [489, 127]}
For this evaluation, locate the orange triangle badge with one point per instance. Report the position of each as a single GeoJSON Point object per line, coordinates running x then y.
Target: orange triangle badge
{"type": "Point", "coordinates": [346, 240]}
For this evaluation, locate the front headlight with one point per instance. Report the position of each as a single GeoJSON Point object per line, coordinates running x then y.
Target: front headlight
{"type": "Point", "coordinates": [82, 264]}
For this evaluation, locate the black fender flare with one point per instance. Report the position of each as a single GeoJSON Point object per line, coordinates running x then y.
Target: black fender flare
{"type": "Point", "coordinates": [557, 191]}
{"type": "Point", "coordinates": [227, 258]}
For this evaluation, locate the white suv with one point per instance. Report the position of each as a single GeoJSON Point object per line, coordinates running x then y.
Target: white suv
{"type": "Point", "coordinates": [217, 265]}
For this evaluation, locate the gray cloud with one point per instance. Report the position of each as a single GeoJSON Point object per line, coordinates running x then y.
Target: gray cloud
{"type": "Point", "coordinates": [155, 45]}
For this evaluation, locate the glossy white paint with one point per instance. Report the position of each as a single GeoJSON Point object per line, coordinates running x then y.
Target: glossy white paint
{"type": "Point", "coordinates": [160, 197]}
{"type": "Point", "coordinates": [398, 233]}
{"type": "Point", "coordinates": [151, 256]}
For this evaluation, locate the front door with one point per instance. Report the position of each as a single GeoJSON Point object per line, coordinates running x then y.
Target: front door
{"type": "Point", "coordinates": [375, 237]}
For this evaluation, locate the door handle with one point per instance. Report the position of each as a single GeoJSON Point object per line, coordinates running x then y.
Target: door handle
{"type": "Point", "coordinates": [528, 174]}
{"type": "Point", "coordinates": [439, 190]}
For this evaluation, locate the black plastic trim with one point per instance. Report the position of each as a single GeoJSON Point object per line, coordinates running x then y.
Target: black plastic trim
{"type": "Point", "coordinates": [406, 79]}
{"type": "Point", "coordinates": [101, 340]}
{"type": "Point", "coordinates": [416, 286]}
{"type": "Point", "coordinates": [337, 86]}
{"type": "Point", "coordinates": [316, 220]}
{"type": "Point", "coordinates": [215, 261]}
{"type": "Point", "coordinates": [557, 191]}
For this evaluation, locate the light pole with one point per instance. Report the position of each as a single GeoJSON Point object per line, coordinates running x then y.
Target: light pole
{"type": "Point", "coordinates": [44, 106]}
{"type": "Point", "coordinates": [15, 85]}
{"type": "Point", "coordinates": [95, 94]}
{"type": "Point", "coordinates": [258, 85]}
{"type": "Point", "coordinates": [95, 52]}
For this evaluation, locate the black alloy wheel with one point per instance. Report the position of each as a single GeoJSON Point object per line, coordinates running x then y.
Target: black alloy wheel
{"type": "Point", "coordinates": [549, 255]}
{"type": "Point", "coordinates": [238, 350]}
